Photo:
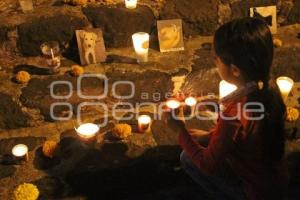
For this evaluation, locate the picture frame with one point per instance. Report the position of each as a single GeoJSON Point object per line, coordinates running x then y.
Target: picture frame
{"type": "Point", "coordinates": [170, 35]}
{"type": "Point", "coordinates": [91, 46]}
{"type": "Point", "coordinates": [268, 14]}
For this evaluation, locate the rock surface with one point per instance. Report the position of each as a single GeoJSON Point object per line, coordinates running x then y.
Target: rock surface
{"type": "Point", "coordinates": [118, 23]}
{"type": "Point", "coordinates": [59, 28]}
{"type": "Point", "coordinates": [199, 16]}
{"type": "Point", "coordinates": [11, 115]}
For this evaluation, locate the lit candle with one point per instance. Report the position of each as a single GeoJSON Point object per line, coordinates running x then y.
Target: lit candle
{"type": "Point", "coordinates": [141, 46]}
{"type": "Point", "coordinates": [226, 88]}
{"type": "Point", "coordinates": [285, 85]}
{"type": "Point", "coordinates": [130, 4]}
{"type": "Point", "coordinates": [174, 105]}
{"type": "Point", "coordinates": [87, 131]}
{"type": "Point", "coordinates": [144, 122]}
{"type": "Point", "coordinates": [190, 103]}
{"type": "Point", "coordinates": [20, 151]}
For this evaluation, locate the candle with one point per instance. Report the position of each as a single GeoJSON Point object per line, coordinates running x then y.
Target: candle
{"type": "Point", "coordinates": [141, 46]}
{"type": "Point", "coordinates": [87, 131]}
{"type": "Point", "coordinates": [226, 88]}
{"type": "Point", "coordinates": [20, 151]}
{"type": "Point", "coordinates": [130, 4]}
{"type": "Point", "coordinates": [190, 103]}
{"type": "Point", "coordinates": [144, 122]}
{"type": "Point", "coordinates": [174, 105]}
{"type": "Point", "coordinates": [285, 85]}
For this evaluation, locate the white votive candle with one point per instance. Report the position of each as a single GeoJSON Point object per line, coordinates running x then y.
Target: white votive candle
{"type": "Point", "coordinates": [130, 4]}
{"type": "Point", "coordinates": [144, 122]}
{"type": "Point", "coordinates": [174, 105]}
{"type": "Point", "coordinates": [190, 103]}
{"type": "Point", "coordinates": [141, 46]}
{"type": "Point", "coordinates": [87, 131]}
{"type": "Point", "coordinates": [226, 88]}
{"type": "Point", "coordinates": [20, 151]}
{"type": "Point", "coordinates": [285, 85]}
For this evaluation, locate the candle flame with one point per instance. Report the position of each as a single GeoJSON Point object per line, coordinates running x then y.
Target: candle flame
{"type": "Point", "coordinates": [173, 104]}
{"type": "Point", "coordinates": [285, 85]}
{"type": "Point", "coordinates": [226, 88]}
{"type": "Point", "coordinates": [190, 101]}
{"type": "Point", "coordinates": [144, 119]}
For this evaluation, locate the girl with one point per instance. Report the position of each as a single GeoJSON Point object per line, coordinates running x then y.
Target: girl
{"type": "Point", "coordinates": [244, 158]}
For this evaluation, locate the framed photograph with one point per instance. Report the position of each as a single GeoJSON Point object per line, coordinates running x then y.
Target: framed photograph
{"type": "Point", "coordinates": [91, 46]}
{"type": "Point", "coordinates": [294, 99]}
{"type": "Point", "coordinates": [268, 14]}
{"type": "Point", "coordinates": [170, 35]}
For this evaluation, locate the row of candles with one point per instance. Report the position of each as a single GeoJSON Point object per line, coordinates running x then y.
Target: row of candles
{"type": "Point", "coordinates": [88, 131]}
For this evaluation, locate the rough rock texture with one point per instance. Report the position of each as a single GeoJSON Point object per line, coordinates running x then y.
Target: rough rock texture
{"type": "Point", "coordinates": [286, 63]}
{"type": "Point", "coordinates": [294, 15]}
{"type": "Point", "coordinates": [203, 72]}
{"type": "Point", "coordinates": [59, 28]}
{"type": "Point", "coordinates": [118, 23]}
{"type": "Point", "coordinates": [11, 115]}
{"type": "Point", "coordinates": [37, 94]}
{"type": "Point", "coordinates": [3, 33]}
{"type": "Point", "coordinates": [155, 84]}
{"type": "Point", "coordinates": [199, 16]}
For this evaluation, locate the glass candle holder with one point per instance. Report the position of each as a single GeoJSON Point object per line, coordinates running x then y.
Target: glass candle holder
{"type": "Point", "coordinates": [20, 152]}
{"type": "Point", "coordinates": [51, 53]}
{"type": "Point", "coordinates": [144, 122]}
{"type": "Point", "coordinates": [141, 46]}
{"type": "Point", "coordinates": [285, 85]}
{"type": "Point", "coordinates": [87, 132]}
{"type": "Point", "coordinates": [131, 4]}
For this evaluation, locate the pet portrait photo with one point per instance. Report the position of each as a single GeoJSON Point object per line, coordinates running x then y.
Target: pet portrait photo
{"type": "Point", "coordinates": [268, 14]}
{"type": "Point", "coordinates": [91, 46]}
{"type": "Point", "coordinates": [170, 35]}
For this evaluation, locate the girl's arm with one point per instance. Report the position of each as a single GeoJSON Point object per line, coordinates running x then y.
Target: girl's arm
{"type": "Point", "coordinates": [220, 144]}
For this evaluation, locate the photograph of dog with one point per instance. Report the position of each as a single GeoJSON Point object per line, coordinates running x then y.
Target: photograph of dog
{"type": "Point", "coordinates": [91, 46]}
{"type": "Point", "coordinates": [268, 14]}
{"type": "Point", "coordinates": [170, 35]}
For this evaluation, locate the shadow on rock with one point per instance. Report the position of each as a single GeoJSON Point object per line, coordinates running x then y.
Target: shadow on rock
{"type": "Point", "coordinates": [31, 69]}
{"type": "Point", "coordinates": [107, 171]}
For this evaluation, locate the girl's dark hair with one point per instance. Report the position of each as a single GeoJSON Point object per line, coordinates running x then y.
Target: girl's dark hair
{"type": "Point", "coordinates": [248, 44]}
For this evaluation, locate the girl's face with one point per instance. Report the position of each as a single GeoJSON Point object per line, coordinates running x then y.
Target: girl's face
{"type": "Point", "coordinates": [228, 73]}
{"type": "Point", "coordinates": [223, 69]}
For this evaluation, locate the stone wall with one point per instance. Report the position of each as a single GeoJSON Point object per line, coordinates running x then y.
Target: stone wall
{"type": "Point", "coordinates": [55, 20]}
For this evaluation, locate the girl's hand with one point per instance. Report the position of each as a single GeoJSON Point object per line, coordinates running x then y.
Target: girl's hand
{"type": "Point", "coordinates": [197, 133]}
{"type": "Point", "coordinates": [174, 124]}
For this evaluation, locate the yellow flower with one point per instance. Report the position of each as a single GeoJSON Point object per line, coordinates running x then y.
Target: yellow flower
{"type": "Point", "coordinates": [77, 70]}
{"type": "Point", "coordinates": [22, 77]}
{"type": "Point", "coordinates": [26, 191]}
{"type": "Point", "coordinates": [121, 131]}
{"type": "Point", "coordinates": [277, 42]}
{"type": "Point", "coordinates": [49, 148]}
{"type": "Point", "coordinates": [292, 114]}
